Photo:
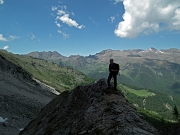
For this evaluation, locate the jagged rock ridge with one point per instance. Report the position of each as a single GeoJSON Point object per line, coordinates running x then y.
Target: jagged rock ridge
{"type": "Point", "coordinates": [91, 109]}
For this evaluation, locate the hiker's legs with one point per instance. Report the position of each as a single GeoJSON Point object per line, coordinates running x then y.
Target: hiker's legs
{"type": "Point", "coordinates": [109, 79]}
{"type": "Point", "coordinates": [115, 81]}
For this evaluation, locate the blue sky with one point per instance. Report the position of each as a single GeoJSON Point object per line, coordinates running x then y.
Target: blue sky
{"type": "Point", "coordinates": [87, 27]}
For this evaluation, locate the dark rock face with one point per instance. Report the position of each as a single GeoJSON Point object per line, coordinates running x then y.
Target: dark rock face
{"type": "Point", "coordinates": [21, 98]}
{"type": "Point", "coordinates": [15, 70]}
{"type": "Point", "coordinates": [89, 110]}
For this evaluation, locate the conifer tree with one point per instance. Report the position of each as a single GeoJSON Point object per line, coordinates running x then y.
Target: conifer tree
{"type": "Point", "coordinates": [176, 112]}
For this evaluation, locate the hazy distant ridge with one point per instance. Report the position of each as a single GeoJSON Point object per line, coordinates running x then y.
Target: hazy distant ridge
{"type": "Point", "coordinates": [151, 68]}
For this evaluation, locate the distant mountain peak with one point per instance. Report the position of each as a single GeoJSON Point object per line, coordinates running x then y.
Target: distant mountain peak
{"type": "Point", "coordinates": [151, 49]}
{"type": "Point", "coordinates": [105, 51]}
{"type": "Point", "coordinates": [46, 55]}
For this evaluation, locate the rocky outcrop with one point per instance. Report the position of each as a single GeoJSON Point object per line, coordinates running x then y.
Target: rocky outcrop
{"type": "Point", "coordinates": [15, 70]}
{"type": "Point", "coordinates": [21, 98]}
{"type": "Point", "coordinates": [89, 110]}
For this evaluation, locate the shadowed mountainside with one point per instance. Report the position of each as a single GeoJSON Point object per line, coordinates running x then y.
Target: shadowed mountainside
{"type": "Point", "coordinates": [49, 73]}
{"type": "Point", "coordinates": [97, 108]}
{"type": "Point", "coordinates": [21, 98]}
{"type": "Point", "coordinates": [90, 109]}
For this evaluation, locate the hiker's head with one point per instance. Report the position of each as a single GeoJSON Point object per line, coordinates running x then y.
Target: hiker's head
{"type": "Point", "coordinates": [111, 61]}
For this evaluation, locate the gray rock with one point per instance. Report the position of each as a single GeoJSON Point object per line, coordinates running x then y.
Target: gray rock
{"type": "Point", "coordinates": [90, 109]}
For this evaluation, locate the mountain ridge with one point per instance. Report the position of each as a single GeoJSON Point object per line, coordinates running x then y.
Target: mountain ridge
{"type": "Point", "coordinates": [158, 66]}
{"type": "Point", "coordinates": [50, 73]}
{"type": "Point", "coordinates": [94, 110]}
{"type": "Point", "coordinates": [101, 87]}
{"type": "Point", "coordinates": [21, 97]}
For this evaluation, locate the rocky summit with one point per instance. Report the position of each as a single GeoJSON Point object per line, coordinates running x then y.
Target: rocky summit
{"type": "Point", "coordinates": [89, 110]}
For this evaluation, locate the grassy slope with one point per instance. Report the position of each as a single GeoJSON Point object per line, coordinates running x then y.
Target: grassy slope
{"type": "Point", "coordinates": [156, 75]}
{"type": "Point", "coordinates": [157, 107]}
{"type": "Point", "coordinates": [61, 78]}
{"type": "Point", "coordinates": [140, 93]}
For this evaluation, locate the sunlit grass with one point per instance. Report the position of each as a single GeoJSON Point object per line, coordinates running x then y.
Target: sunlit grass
{"type": "Point", "coordinates": [141, 93]}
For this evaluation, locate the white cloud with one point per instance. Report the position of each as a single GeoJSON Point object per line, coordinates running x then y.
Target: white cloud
{"type": "Point", "coordinates": [176, 18]}
{"type": "Point", "coordinates": [60, 12]}
{"type": "Point", "coordinates": [53, 8]}
{"type": "Point", "coordinates": [147, 16]}
{"type": "Point", "coordinates": [1, 1]}
{"type": "Point", "coordinates": [64, 34]}
{"type": "Point", "coordinates": [13, 37]}
{"type": "Point", "coordinates": [64, 17]}
{"type": "Point", "coordinates": [2, 38]}
{"type": "Point", "coordinates": [112, 18]}
{"type": "Point", "coordinates": [59, 25]}
{"type": "Point", "coordinates": [32, 36]}
{"type": "Point", "coordinates": [117, 1]}
{"type": "Point", "coordinates": [6, 47]}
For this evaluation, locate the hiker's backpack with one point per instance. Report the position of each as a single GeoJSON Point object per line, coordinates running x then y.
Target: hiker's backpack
{"type": "Point", "coordinates": [117, 68]}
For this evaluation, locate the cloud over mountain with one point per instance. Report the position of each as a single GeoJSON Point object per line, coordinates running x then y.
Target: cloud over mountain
{"type": "Point", "coordinates": [145, 17]}
{"type": "Point", "coordinates": [6, 47]}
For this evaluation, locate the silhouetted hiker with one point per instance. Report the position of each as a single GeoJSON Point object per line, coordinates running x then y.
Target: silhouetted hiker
{"type": "Point", "coordinates": [113, 71]}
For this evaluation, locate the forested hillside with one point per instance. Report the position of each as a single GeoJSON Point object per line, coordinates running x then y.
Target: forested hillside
{"type": "Point", "coordinates": [154, 104]}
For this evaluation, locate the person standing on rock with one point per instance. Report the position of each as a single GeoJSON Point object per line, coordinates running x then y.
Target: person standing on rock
{"type": "Point", "coordinates": [113, 72]}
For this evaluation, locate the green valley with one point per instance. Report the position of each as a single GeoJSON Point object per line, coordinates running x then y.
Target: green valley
{"type": "Point", "coordinates": [140, 93]}
{"type": "Point", "coordinates": [50, 73]}
{"type": "Point", "coordinates": [153, 104]}
{"type": "Point", "coordinates": [151, 86]}
{"type": "Point", "coordinates": [150, 69]}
